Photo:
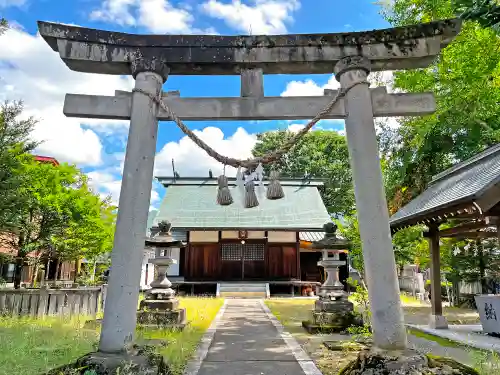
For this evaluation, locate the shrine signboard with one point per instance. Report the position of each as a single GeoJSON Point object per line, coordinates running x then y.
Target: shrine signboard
{"type": "Point", "coordinates": [488, 307]}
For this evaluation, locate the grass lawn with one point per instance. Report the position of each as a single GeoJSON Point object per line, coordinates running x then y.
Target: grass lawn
{"type": "Point", "coordinates": [31, 347]}
{"type": "Point", "coordinates": [291, 313]}
{"type": "Point", "coordinates": [182, 345]}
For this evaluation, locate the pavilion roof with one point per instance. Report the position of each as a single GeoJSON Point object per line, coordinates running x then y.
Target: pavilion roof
{"type": "Point", "coordinates": [469, 186]}
{"type": "Point", "coordinates": [192, 206]}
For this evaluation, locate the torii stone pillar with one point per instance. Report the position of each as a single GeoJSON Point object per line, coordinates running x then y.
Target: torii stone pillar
{"type": "Point", "coordinates": [373, 216]}
{"type": "Point", "coordinates": [120, 312]}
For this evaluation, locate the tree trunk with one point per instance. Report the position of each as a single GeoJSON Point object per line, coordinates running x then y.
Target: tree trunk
{"type": "Point", "coordinates": [92, 276]}
{"type": "Point", "coordinates": [18, 271]}
{"type": "Point", "coordinates": [47, 269]}
{"type": "Point", "coordinates": [35, 274]}
{"type": "Point", "coordinates": [58, 270]}
{"type": "Point", "coordinates": [456, 292]}
{"type": "Point", "coordinates": [75, 274]}
{"type": "Point", "coordinates": [482, 267]}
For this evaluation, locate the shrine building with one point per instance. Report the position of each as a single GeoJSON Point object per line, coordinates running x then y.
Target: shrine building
{"type": "Point", "coordinates": [230, 248]}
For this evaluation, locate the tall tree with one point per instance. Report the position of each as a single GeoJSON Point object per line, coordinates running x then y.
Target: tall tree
{"type": "Point", "coordinates": [15, 145]}
{"type": "Point", "coordinates": [320, 154]}
{"type": "Point", "coordinates": [91, 235]}
{"type": "Point", "coordinates": [53, 199]}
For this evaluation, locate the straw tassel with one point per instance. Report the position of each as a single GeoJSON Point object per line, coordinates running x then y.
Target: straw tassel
{"type": "Point", "coordinates": [224, 197]}
{"type": "Point", "coordinates": [274, 189]}
{"type": "Point", "coordinates": [250, 196]}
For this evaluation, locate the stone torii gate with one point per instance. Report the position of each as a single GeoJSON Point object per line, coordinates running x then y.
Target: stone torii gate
{"type": "Point", "coordinates": [150, 59]}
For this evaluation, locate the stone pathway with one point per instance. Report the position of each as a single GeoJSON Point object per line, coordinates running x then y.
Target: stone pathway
{"type": "Point", "coordinates": [248, 340]}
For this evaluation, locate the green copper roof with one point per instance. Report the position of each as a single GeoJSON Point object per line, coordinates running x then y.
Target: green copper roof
{"type": "Point", "coordinates": [195, 208]}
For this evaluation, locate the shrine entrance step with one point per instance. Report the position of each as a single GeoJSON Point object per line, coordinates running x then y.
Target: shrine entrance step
{"type": "Point", "coordinates": [243, 290]}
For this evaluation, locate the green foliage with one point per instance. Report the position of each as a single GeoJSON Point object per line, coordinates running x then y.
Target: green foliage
{"type": "Point", "coordinates": [46, 208]}
{"type": "Point", "coordinates": [349, 229]}
{"type": "Point", "coordinates": [466, 82]}
{"type": "Point", "coordinates": [485, 12]}
{"type": "Point", "coordinates": [320, 154]}
{"type": "Point", "coordinates": [410, 246]}
{"type": "Point", "coordinates": [486, 363]}
{"type": "Point", "coordinates": [15, 144]}
{"type": "Point", "coordinates": [4, 25]}
{"type": "Point", "coordinates": [362, 303]}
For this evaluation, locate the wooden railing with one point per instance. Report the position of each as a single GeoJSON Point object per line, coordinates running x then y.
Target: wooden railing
{"type": "Point", "coordinates": [52, 302]}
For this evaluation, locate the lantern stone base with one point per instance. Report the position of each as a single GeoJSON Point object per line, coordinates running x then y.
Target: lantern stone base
{"type": "Point", "coordinates": [172, 319]}
{"type": "Point", "coordinates": [331, 316]}
{"type": "Point", "coordinates": [159, 304]}
{"type": "Point", "coordinates": [327, 305]}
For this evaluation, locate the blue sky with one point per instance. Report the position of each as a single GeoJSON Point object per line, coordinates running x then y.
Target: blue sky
{"type": "Point", "coordinates": [31, 71]}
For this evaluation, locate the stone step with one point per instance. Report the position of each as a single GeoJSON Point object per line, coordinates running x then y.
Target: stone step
{"type": "Point", "coordinates": [258, 295]}
{"type": "Point", "coordinates": [241, 289]}
{"type": "Point", "coordinates": [229, 286]}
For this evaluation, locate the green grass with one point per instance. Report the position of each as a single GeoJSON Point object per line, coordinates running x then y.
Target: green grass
{"type": "Point", "coordinates": [182, 344]}
{"type": "Point", "coordinates": [440, 340]}
{"type": "Point", "coordinates": [485, 362]}
{"type": "Point", "coordinates": [291, 312]}
{"type": "Point", "coordinates": [32, 346]}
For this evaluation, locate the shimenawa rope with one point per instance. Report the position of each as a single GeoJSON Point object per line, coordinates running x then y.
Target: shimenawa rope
{"type": "Point", "coordinates": [248, 163]}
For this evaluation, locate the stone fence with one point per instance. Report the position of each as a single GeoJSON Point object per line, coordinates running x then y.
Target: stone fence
{"type": "Point", "coordinates": [415, 284]}
{"type": "Point", "coordinates": [52, 302]}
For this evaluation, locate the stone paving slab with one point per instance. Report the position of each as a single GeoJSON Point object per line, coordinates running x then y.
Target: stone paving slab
{"type": "Point", "coordinates": [247, 341]}
{"type": "Point", "coordinates": [251, 368]}
{"type": "Point", "coordinates": [469, 335]}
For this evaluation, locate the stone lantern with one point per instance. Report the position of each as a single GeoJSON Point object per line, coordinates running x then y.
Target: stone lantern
{"type": "Point", "coordinates": [160, 307]}
{"type": "Point", "coordinates": [332, 311]}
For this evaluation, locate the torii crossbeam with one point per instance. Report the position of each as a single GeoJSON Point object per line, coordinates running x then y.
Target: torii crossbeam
{"type": "Point", "coordinates": [151, 58]}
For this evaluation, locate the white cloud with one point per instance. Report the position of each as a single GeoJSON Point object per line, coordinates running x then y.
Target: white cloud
{"type": "Point", "coordinates": [42, 83]}
{"type": "Point", "coordinates": [106, 183]}
{"type": "Point", "coordinates": [295, 128]}
{"type": "Point", "coordinates": [161, 17]}
{"type": "Point", "coordinates": [158, 16]}
{"type": "Point", "coordinates": [309, 87]}
{"type": "Point", "coordinates": [190, 160]}
{"type": "Point", "coordinates": [115, 11]}
{"type": "Point", "coordinates": [262, 17]}
{"type": "Point", "coordinates": [12, 3]}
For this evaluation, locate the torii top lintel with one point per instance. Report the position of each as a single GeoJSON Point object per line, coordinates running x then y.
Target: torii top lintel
{"type": "Point", "coordinates": [98, 51]}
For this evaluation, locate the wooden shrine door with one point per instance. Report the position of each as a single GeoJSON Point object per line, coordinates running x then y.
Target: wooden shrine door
{"type": "Point", "coordinates": [243, 261]}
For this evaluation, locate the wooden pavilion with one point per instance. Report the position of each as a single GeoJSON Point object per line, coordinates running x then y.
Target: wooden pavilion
{"type": "Point", "coordinates": [467, 196]}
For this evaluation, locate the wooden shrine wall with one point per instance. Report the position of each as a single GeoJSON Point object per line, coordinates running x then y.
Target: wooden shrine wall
{"type": "Point", "coordinates": [203, 262]}
{"type": "Point", "coordinates": [283, 262]}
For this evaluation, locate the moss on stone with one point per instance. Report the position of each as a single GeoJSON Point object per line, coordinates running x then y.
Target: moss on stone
{"type": "Point", "coordinates": [370, 362]}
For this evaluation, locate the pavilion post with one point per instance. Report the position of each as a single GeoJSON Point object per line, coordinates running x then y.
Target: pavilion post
{"type": "Point", "coordinates": [437, 320]}
{"type": "Point", "coordinates": [120, 313]}
{"type": "Point", "coordinates": [373, 216]}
